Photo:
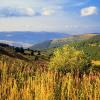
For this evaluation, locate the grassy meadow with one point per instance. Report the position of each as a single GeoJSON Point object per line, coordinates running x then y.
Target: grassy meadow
{"type": "Point", "coordinates": [22, 80]}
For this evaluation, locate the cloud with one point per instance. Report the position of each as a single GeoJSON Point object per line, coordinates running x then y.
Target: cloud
{"type": "Point", "coordinates": [47, 12]}
{"type": "Point", "coordinates": [16, 12]}
{"type": "Point", "coordinates": [89, 11]}
{"type": "Point", "coordinates": [51, 10]}
{"type": "Point", "coordinates": [14, 43]}
{"type": "Point", "coordinates": [36, 7]}
{"type": "Point", "coordinates": [9, 35]}
{"type": "Point", "coordinates": [28, 11]}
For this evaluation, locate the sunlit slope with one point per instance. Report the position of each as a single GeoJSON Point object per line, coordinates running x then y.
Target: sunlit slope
{"type": "Point", "coordinates": [62, 41]}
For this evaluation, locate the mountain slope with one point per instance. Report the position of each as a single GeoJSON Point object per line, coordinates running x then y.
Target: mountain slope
{"type": "Point", "coordinates": [58, 42]}
{"type": "Point", "coordinates": [9, 51]}
{"type": "Point", "coordinates": [43, 45]}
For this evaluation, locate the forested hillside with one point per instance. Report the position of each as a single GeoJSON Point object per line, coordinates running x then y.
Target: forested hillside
{"type": "Point", "coordinates": [91, 47]}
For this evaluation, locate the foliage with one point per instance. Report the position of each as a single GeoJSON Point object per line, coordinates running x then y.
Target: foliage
{"type": "Point", "coordinates": [90, 47]}
{"type": "Point", "coordinates": [69, 59]}
{"type": "Point", "coordinates": [18, 49]}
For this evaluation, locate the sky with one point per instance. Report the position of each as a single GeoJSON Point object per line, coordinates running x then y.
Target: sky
{"type": "Point", "coordinates": [66, 16]}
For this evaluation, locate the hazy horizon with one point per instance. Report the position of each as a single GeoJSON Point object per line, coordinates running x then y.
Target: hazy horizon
{"type": "Point", "coordinates": [57, 17]}
{"type": "Point", "coordinates": [66, 16]}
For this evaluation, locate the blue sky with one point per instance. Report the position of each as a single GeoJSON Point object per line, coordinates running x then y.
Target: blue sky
{"type": "Point", "coordinates": [68, 16]}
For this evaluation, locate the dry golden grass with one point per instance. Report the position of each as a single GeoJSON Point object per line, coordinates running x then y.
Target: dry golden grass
{"type": "Point", "coordinates": [87, 36]}
{"type": "Point", "coordinates": [45, 85]}
{"type": "Point", "coordinates": [96, 62]}
{"type": "Point", "coordinates": [50, 86]}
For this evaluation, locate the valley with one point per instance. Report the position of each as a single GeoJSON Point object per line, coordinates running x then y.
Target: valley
{"type": "Point", "coordinates": [53, 70]}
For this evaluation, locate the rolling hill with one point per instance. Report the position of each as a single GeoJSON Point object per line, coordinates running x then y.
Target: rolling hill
{"type": "Point", "coordinates": [58, 42]}
{"type": "Point", "coordinates": [89, 43]}
{"type": "Point", "coordinates": [9, 51]}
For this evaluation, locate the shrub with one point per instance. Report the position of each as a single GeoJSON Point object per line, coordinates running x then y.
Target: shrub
{"type": "Point", "coordinates": [68, 59]}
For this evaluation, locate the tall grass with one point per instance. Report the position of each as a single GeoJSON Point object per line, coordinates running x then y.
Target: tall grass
{"type": "Point", "coordinates": [17, 82]}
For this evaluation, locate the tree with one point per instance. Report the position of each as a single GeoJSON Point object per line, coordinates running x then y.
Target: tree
{"type": "Point", "coordinates": [32, 53]}
{"type": "Point", "coordinates": [68, 59]}
{"type": "Point", "coordinates": [17, 49]}
{"type": "Point", "coordinates": [39, 53]}
{"type": "Point", "coordinates": [21, 50]}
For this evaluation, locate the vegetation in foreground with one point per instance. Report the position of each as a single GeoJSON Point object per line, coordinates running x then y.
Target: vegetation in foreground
{"type": "Point", "coordinates": [68, 75]}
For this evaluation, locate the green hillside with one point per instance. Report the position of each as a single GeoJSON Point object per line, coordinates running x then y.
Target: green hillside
{"type": "Point", "coordinates": [22, 54]}
{"type": "Point", "coordinates": [89, 43]}
{"type": "Point", "coordinates": [91, 47]}
{"type": "Point", "coordinates": [43, 45]}
{"type": "Point", "coordinates": [62, 41]}
{"type": "Point", "coordinates": [10, 51]}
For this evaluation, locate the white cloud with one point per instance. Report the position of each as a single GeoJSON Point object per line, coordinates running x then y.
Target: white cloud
{"type": "Point", "coordinates": [30, 11]}
{"type": "Point", "coordinates": [16, 12]}
{"type": "Point", "coordinates": [48, 12]}
{"type": "Point", "coordinates": [31, 8]}
{"type": "Point", "coordinates": [89, 11]}
{"type": "Point", "coordinates": [14, 43]}
{"type": "Point", "coordinates": [51, 10]}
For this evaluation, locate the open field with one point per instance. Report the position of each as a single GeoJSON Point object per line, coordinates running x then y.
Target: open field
{"type": "Point", "coordinates": [68, 72]}
{"type": "Point", "coordinates": [21, 80]}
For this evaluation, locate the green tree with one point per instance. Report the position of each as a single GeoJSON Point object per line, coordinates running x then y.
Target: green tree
{"type": "Point", "coordinates": [32, 53]}
{"type": "Point", "coordinates": [68, 59]}
{"type": "Point", "coordinates": [39, 53]}
{"type": "Point", "coordinates": [19, 49]}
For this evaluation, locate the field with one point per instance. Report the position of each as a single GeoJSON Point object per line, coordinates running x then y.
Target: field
{"type": "Point", "coordinates": [49, 49]}
{"type": "Point", "coordinates": [21, 80]}
{"type": "Point", "coordinates": [69, 72]}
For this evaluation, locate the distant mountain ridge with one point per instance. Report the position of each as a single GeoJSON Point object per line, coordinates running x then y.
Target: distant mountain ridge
{"type": "Point", "coordinates": [28, 38]}
{"type": "Point", "coordinates": [66, 40]}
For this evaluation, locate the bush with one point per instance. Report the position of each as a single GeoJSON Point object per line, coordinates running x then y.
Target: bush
{"type": "Point", "coordinates": [68, 59]}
